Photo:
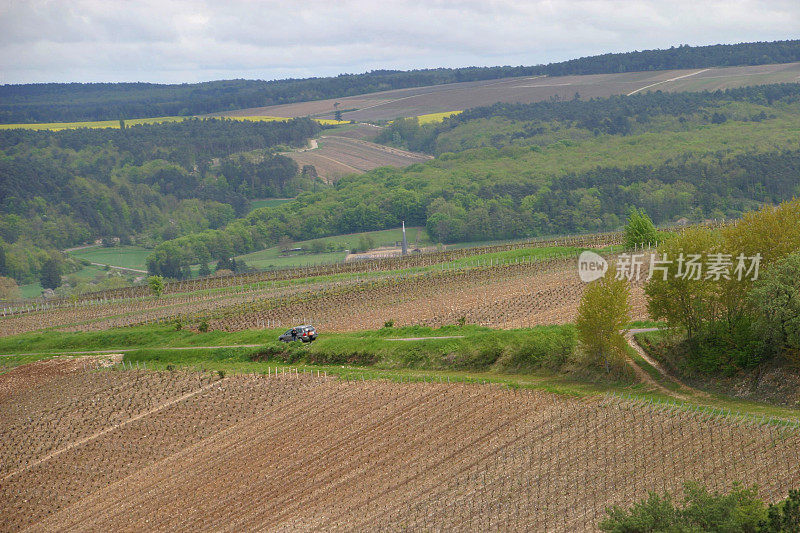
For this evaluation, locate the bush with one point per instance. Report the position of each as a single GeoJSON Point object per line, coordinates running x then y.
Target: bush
{"type": "Point", "coordinates": [739, 511]}
{"type": "Point", "coordinates": [725, 347]}
{"type": "Point", "coordinates": [285, 352]}
{"type": "Point", "coordinates": [156, 284]}
{"type": "Point", "coordinates": [785, 516]}
{"type": "Point", "coordinates": [203, 327]}
{"type": "Point", "coordinates": [640, 229]}
{"type": "Point", "coordinates": [775, 299]}
{"type": "Point", "coordinates": [603, 312]}
{"type": "Point", "coordinates": [388, 324]}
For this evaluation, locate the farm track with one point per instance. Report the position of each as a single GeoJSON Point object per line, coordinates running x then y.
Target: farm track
{"type": "Point", "coordinates": [301, 453]}
{"type": "Point", "coordinates": [665, 374]}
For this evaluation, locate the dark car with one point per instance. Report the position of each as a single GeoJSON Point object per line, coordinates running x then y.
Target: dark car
{"type": "Point", "coordinates": [299, 333]}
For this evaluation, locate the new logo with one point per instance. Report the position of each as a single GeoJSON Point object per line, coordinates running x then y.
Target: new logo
{"type": "Point", "coordinates": [591, 266]}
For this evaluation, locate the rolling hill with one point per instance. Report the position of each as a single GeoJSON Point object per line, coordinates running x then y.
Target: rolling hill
{"type": "Point", "coordinates": [388, 105]}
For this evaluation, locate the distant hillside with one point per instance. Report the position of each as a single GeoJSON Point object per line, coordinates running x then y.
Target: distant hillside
{"type": "Point", "coordinates": [62, 102]}
{"type": "Point", "coordinates": [141, 184]}
{"type": "Point", "coordinates": [555, 168]}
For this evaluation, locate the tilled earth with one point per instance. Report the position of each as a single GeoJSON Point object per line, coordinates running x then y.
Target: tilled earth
{"type": "Point", "coordinates": [107, 450]}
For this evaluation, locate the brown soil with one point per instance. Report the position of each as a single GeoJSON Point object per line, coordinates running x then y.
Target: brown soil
{"type": "Point", "coordinates": [183, 451]}
{"type": "Point", "coordinates": [338, 156]}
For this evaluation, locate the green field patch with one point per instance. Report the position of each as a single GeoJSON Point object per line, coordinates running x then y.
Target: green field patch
{"type": "Point", "coordinates": [273, 257]}
{"type": "Point", "coordinates": [268, 202]}
{"type": "Point", "coordinates": [120, 256]}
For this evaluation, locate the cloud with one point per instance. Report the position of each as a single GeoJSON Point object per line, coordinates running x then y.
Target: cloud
{"type": "Point", "coordinates": [187, 41]}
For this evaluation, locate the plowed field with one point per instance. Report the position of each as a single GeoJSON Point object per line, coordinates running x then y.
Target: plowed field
{"type": "Point", "coordinates": [338, 156]}
{"type": "Point", "coordinates": [111, 450]}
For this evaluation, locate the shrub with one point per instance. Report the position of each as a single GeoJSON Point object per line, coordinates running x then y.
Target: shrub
{"type": "Point", "coordinates": [286, 352]}
{"type": "Point", "coordinates": [603, 312]}
{"type": "Point", "coordinates": [156, 284]}
{"type": "Point", "coordinates": [388, 324]}
{"type": "Point", "coordinates": [785, 516]}
{"type": "Point", "coordinates": [775, 299]}
{"type": "Point", "coordinates": [203, 327]}
{"type": "Point", "coordinates": [738, 511]}
{"type": "Point", "coordinates": [640, 229]}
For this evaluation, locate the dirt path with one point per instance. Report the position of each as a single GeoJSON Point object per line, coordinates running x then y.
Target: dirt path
{"type": "Point", "coordinates": [83, 247]}
{"type": "Point", "coordinates": [427, 338]}
{"type": "Point", "coordinates": [124, 350]}
{"type": "Point", "coordinates": [659, 368]}
{"type": "Point", "coordinates": [669, 80]}
{"type": "Point", "coordinates": [643, 376]}
{"type": "Point", "coordinates": [120, 268]}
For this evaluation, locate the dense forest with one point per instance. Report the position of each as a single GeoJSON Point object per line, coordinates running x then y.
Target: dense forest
{"type": "Point", "coordinates": [697, 156]}
{"type": "Point", "coordinates": [141, 184]}
{"type": "Point", "coordinates": [65, 102]}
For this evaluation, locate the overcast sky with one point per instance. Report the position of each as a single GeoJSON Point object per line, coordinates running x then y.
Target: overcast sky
{"type": "Point", "coordinates": [189, 41]}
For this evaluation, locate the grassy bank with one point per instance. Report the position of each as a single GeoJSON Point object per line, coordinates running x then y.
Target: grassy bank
{"type": "Point", "coordinates": [528, 358]}
{"type": "Point", "coordinates": [451, 347]}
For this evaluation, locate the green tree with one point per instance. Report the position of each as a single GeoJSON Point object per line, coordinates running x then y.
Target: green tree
{"type": "Point", "coordinates": [674, 295]}
{"type": "Point", "coordinates": [640, 229]}
{"type": "Point", "coordinates": [603, 312]}
{"type": "Point", "coordinates": [156, 284]}
{"type": "Point", "coordinates": [738, 511]}
{"type": "Point", "coordinates": [317, 247]}
{"type": "Point", "coordinates": [775, 300]}
{"type": "Point", "coordinates": [366, 243]}
{"type": "Point", "coordinates": [50, 277]}
{"type": "Point", "coordinates": [784, 517]}
{"type": "Point", "coordinates": [9, 290]}
{"type": "Point", "coordinates": [204, 269]}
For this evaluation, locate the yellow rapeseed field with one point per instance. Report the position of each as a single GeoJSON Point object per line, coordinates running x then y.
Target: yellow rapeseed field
{"type": "Point", "coordinates": [57, 126]}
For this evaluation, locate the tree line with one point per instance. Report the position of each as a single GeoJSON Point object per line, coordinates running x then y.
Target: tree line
{"type": "Point", "coordinates": [67, 102]}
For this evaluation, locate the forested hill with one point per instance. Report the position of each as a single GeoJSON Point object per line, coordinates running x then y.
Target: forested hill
{"type": "Point", "coordinates": [506, 123]}
{"type": "Point", "coordinates": [506, 174]}
{"type": "Point", "coordinates": [64, 102]}
{"type": "Point", "coordinates": [142, 184]}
